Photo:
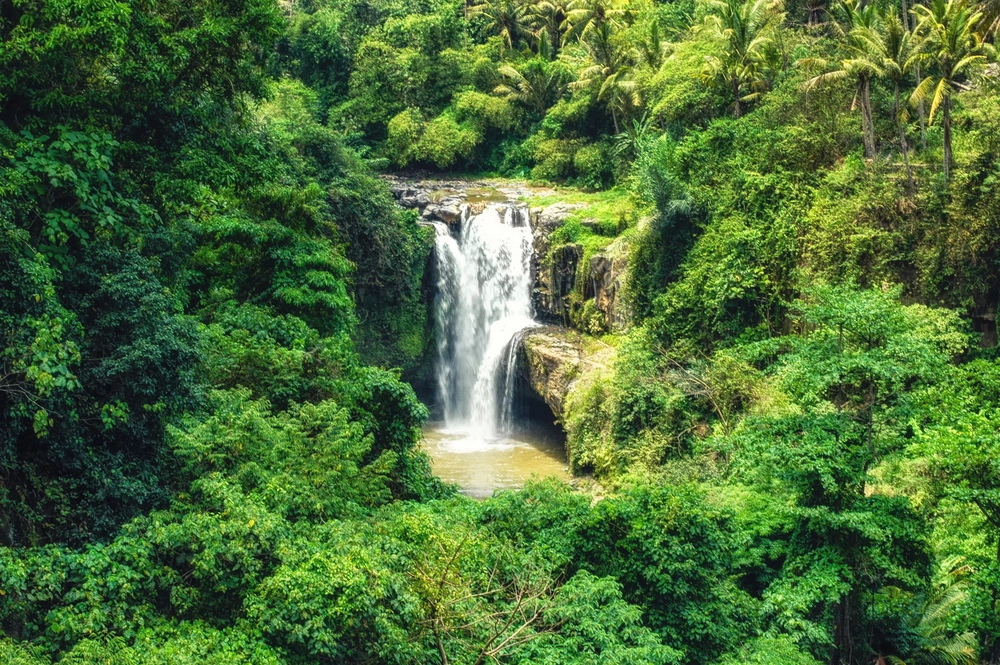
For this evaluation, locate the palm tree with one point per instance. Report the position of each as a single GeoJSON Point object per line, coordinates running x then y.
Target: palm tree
{"type": "Point", "coordinates": [895, 44]}
{"type": "Point", "coordinates": [651, 47]}
{"type": "Point", "coordinates": [608, 68]}
{"type": "Point", "coordinates": [949, 42]}
{"type": "Point", "coordinates": [746, 29]}
{"type": "Point", "coordinates": [864, 63]}
{"type": "Point", "coordinates": [549, 16]}
{"type": "Point", "coordinates": [816, 10]}
{"type": "Point", "coordinates": [929, 640]}
{"type": "Point", "coordinates": [538, 84]}
{"type": "Point", "coordinates": [587, 15]}
{"type": "Point", "coordinates": [620, 93]}
{"type": "Point", "coordinates": [508, 19]}
{"type": "Point", "coordinates": [990, 23]}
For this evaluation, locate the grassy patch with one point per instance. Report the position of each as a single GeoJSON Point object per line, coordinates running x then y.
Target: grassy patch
{"type": "Point", "coordinates": [607, 213]}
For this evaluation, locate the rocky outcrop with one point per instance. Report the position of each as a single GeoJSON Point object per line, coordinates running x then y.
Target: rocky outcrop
{"type": "Point", "coordinates": [441, 200]}
{"type": "Point", "coordinates": [551, 360]}
{"type": "Point", "coordinates": [546, 220]}
{"type": "Point", "coordinates": [605, 277]}
{"type": "Point", "coordinates": [553, 274]}
{"type": "Point", "coordinates": [554, 281]}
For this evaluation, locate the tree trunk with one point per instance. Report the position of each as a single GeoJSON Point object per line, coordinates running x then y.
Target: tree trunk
{"type": "Point", "coordinates": [843, 640]}
{"type": "Point", "coordinates": [923, 116]}
{"type": "Point", "coordinates": [815, 9]}
{"type": "Point", "coordinates": [867, 126]}
{"type": "Point", "coordinates": [903, 147]}
{"type": "Point", "coordinates": [947, 137]}
{"type": "Point", "coordinates": [737, 110]}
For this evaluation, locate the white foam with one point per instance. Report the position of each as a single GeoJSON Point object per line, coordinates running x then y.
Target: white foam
{"type": "Point", "coordinates": [483, 304]}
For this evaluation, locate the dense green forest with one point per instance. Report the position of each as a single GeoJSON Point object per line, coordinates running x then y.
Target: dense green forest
{"type": "Point", "coordinates": [212, 310]}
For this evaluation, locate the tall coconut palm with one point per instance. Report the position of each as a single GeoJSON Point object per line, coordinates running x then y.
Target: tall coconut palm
{"type": "Point", "coordinates": [894, 42]}
{"type": "Point", "coordinates": [651, 47]}
{"type": "Point", "coordinates": [817, 8]}
{"type": "Point", "coordinates": [620, 93]}
{"type": "Point", "coordinates": [583, 16]}
{"type": "Point", "coordinates": [608, 68]}
{"type": "Point", "coordinates": [864, 62]}
{"type": "Point", "coordinates": [549, 16]}
{"type": "Point", "coordinates": [949, 43]}
{"type": "Point", "coordinates": [745, 29]}
{"type": "Point", "coordinates": [507, 18]}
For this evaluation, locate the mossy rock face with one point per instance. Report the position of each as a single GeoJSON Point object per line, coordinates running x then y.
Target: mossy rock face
{"type": "Point", "coordinates": [556, 283]}
{"type": "Point", "coordinates": [603, 285]}
{"type": "Point", "coordinates": [552, 361]}
{"type": "Point", "coordinates": [553, 269]}
{"type": "Point", "coordinates": [581, 287]}
{"type": "Point", "coordinates": [581, 256]}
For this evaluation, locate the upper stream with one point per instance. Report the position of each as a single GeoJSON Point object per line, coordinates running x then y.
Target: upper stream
{"type": "Point", "coordinates": [482, 309]}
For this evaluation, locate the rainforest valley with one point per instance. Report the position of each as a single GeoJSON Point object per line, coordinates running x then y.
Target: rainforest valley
{"type": "Point", "coordinates": [213, 314]}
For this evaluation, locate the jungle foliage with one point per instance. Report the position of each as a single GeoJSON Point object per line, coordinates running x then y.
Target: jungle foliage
{"type": "Point", "coordinates": [210, 308]}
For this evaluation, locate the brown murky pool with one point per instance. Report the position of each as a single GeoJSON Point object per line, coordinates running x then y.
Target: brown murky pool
{"type": "Point", "coordinates": [479, 467]}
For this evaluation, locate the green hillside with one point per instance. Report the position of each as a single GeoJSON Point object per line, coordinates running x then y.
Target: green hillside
{"type": "Point", "coordinates": [213, 311]}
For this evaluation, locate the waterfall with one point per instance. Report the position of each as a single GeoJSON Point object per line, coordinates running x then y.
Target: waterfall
{"type": "Point", "coordinates": [483, 306]}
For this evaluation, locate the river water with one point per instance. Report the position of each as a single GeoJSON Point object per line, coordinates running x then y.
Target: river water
{"type": "Point", "coordinates": [480, 467]}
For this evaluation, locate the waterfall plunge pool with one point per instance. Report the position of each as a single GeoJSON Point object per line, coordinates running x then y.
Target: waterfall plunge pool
{"type": "Point", "coordinates": [480, 466]}
{"type": "Point", "coordinates": [482, 309]}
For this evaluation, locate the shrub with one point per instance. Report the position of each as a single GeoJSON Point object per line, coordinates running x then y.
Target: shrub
{"type": "Point", "coordinates": [592, 166]}
{"type": "Point", "coordinates": [444, 141]}
{"type": "Point", "coordinates": [553, 158]}
{"type": "Point", "coordinates": [404, 130]}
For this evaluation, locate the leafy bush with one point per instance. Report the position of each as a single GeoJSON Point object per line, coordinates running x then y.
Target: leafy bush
{"type": "Point", "coordinates": [404, 130]}
{"type": "Point", "coordinates": [444, 142]}
{"type": "Point", "coordinates": [591, 164]}
{"type": "Point", "coordinates": [553, 159]}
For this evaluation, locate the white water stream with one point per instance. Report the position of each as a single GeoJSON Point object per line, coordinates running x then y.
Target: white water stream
{"type": "Point", "coordinates": [483, 307]}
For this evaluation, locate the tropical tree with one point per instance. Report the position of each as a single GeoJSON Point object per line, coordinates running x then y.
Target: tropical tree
{"type": "Point", "coordinates": [651, 47]}
{"type": "Point", "coordinates": [895, 44]}
{"type": "Point", "coordinates": [608, 68]}
{"type": "Point", "coordinates": [745, 30]}
{"type": "Point", "coordinates": [587, 15]}
{"type": "Point", "coordinates": [961, 444]}
{"type": "Point", "coordinates": [865, 61]}
{"type": "Point", "coordinates": [949, 43]}
{"type": "Point", "coordinates": [620, 92]}
{"type": "Point", "coordinates": [928, 635]}
{"type": "Point", "coordinates": [852, 373]}
{"type": "Point", "coordinates": [508, 19]}
{"type": "Point", "coordinates": [549, 17]}
{"type": "Point", "coordinates": [538, 84]}
{"type": "Point", "coordinates": [990, 22]}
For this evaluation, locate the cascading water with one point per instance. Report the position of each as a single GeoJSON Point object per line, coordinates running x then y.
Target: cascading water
{"type": "Point", "coordinates": [483, 306]}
